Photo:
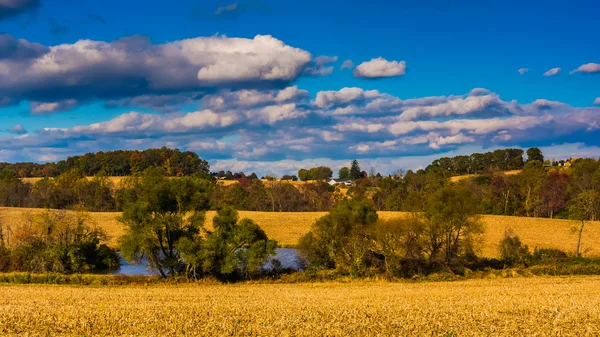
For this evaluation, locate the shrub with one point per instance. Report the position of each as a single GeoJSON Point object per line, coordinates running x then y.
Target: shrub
{"type": "Point", "coordinates": [511, 250]}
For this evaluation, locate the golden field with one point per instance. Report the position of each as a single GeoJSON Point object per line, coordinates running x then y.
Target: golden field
{"type": "Point", "coordinates": [463, 177]}
{"type": "Point", "coordinates": [287, 228]}
{"type": "Point", "coordinates": [543, 306]}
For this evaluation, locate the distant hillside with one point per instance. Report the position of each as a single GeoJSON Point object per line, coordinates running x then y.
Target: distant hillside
{"type": "Point", "coordinates": [116, 163]}
{"type": "Point", "coordinates": [466, 176]}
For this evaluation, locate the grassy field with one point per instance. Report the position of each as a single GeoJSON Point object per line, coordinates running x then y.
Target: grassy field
{"type": "Point", "coordinates": [463, 177]}
{"type": "Point", "coordinates": [490, 307]}
{"type": "Point", "coordinates": [287, 228]}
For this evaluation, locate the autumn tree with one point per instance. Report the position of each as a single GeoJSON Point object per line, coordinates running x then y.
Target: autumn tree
{"type": "Point", "coordinates": [584, 207]}
{"type": "Point", "coordinates": [337, 240]}
{"type": "Point", "coordinates": [452, 224]}
{"type": "Point", "coordinates": [554, 192]}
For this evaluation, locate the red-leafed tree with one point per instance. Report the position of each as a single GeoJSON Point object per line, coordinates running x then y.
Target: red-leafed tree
{"type": "Point", "coordinates": [555, 192]}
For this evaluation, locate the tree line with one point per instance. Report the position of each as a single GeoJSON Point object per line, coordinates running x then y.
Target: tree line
{"type": "Point", "coordinates": [537, 190]}
{"type": "Point", "coordinates": [165, 223]}
{"type": "Point", "coordinates": [499, 160]}
{"type": "Point", "coordinates": [115, 163]}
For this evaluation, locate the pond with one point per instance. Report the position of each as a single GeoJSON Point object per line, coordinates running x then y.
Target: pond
{"type": "Point", "coordinates": [288, 258]}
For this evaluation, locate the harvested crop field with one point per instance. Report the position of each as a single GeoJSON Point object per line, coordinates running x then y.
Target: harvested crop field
{"type": "Point", "coordinates": [287, 228]}
{"type": "Point", "coordinates": [499, 307]}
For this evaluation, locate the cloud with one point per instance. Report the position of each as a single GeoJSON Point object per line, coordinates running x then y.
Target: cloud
{"type": "Point", "coordinates": [159, 103]}
{"type": "Point", "coordinates": [348, 64]}
{"type": "Point", "coordinates": [380, 67]}
{"type": "Point", "coordinates": [17, 129]}
{"type": "Point", "coordinates": [244, 99]}
{"type": "Point", "coordinates": [13, 50]}
{"type": "Point", "coordinates": [544, 103]}
{"type": "Point", "coordinates": [273, 129]}
{"type": "Point", "coordinates": [133, 66]}
{"type": "Point", "coordinates": [11, 8]}
{"type": "Point", "coordinates": [479, 92]}
{"type": "Point", "coordinates": [343, 96]}
{"type": "Point", "coordinates": [552, 72]}
{"type": "Point", "coordinates": [320, 66]}
{"type": "Point", "coordinates": [523, 70]}
{"type": "Point", "coordinates": [39, 108]}
{"type": "Point", "coordinates": [590, 68]}
{"type": "Point", "coordinates": [457, 106]}
{"type": "Point", "coordinates": [597, 101]}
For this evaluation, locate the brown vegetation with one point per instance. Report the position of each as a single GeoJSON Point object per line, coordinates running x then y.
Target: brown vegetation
{"type": "Point", "coordinates": [559, 306]}
{"type": "Point", "coordinates": [288, 227]}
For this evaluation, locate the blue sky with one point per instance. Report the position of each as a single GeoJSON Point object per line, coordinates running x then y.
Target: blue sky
{"type": "Point", "coordinates": [414, 95]}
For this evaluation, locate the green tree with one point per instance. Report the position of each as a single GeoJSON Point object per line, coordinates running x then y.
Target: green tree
{"type": "Point", "coordinates": [235, 249]}
{"type": "Point", "coordinates": [344, 173]}
{"type": "Point", "coordinates": [535, 154]}
{"type": "Point", "coordinates": [304, 175]}
{"type": "Point", "coordinates": [355, 172]}
{"type": "Point", "coordinates": [321, 173]}
{"type": "Point", "coordinates": [159, 213]}
{"type": "Point", "coordinates": [452, 224]}
{"type": "Point", "coordinates": [530, 182]}
{"type": "Point", "coordinates": [338, 240]}
{"type": "Point", "coordinates": [585, 206]}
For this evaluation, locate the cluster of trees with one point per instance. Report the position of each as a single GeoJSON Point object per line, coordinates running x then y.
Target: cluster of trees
{"type": "Point", "coordinates": [352, 173]}
{"type": "Point", "coordinates": [222, 175]}
{"type": "Point", "coordinates": [351, 239]}
{"type": "Point", "coordinates": [116, 163]}
{"type": "Point", "coordinates": [165, 223]}
{"type": "Point", "coordinates": [67, 191]}
{"type": "Point", "coordinates": [315, 173]}
{"type": "Point", "coordinates": [538, 190]}
{"type": "Point", "coordinates": [55, 242]}
{"type": "Point", "coordinates": [499, 160]}
{"type": "Point", "coordinates": [273, 196]}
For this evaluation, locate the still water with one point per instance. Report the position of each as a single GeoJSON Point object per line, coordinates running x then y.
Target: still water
{"type": "Point", "coordinates": [288, 257]}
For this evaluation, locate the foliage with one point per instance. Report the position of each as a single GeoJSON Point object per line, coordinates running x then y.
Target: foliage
{"type": "Point", "coordinates": [535, 154]}
{"type": "Point", "coordinates": [234, 250]}
{"type": "Point", "coordinates": [355, 172]}
{"type": "Point", "coordinates": [511, 250]}
{"type": "Point", "coordinates": [337, 240]}
{"type": "Point", "coordinates": [57, 242]}
{"type": "Point", "coordinates": [502, 160]}
{"type": "Point", "coordinates": [315, 173]}
{"type": "Point", "coordinates": [116, 163]}
{"type": "Point", "coordinates": [158, 213]}
{"type": "Point", "coordinates": [344, 173]}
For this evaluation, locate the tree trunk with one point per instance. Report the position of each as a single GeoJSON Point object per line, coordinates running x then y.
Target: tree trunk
{"type": "Point", "coordinates": [579, 239]}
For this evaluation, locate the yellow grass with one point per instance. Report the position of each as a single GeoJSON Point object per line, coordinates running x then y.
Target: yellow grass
{"type": "Point", "coordinates": [463, 177]}
{"type": "Point", "coordinates": [115, 180]}
{"type": "Point", "coordinates": [287, 228]}
{"type": "Point", "coordinates": [501, 307]}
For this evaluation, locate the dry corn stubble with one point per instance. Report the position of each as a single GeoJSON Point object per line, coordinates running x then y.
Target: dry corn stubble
{"type": "Point", "coordinates": [500, 307]}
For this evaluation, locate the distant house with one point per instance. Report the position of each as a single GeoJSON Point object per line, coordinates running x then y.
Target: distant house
{"type": "Point", "coordinates": [346, 182]}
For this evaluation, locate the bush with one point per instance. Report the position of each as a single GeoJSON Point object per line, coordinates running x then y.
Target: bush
{"type": "Point", "coordinates": [548, 256]}
{"type": "Point", "coordinates": [58, 242]}
{"type": "Point", "coordinates": [512, 251]}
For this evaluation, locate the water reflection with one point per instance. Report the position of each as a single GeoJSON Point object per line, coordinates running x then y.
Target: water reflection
{"type": "Point", "coordinates": [288, 259]}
